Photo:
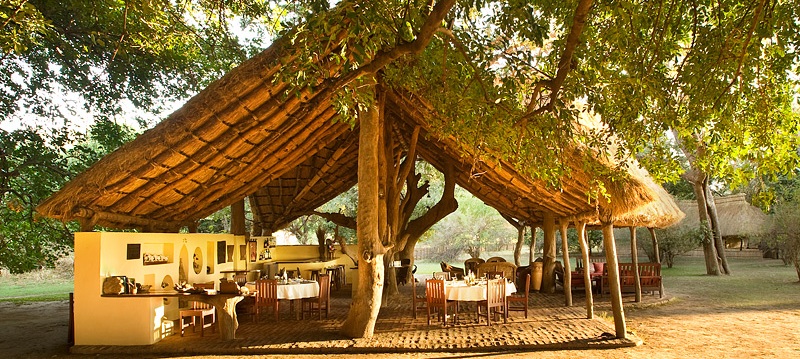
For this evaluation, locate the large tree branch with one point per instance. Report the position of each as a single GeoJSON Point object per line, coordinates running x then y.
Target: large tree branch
{"type": "Point", "coordinates": [338, 219]}
{"type": "Point", "coordinates": [743, 51]}
{"type": "Point", "coordinates": [384, 57]}
{"type": "Point", "coordinates": [564, 63]}
{"type": "Point", "coordinates": [446, 205]}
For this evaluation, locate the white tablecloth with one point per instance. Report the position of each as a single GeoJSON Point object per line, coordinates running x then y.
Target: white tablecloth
{"type": "Point", "coordinates": [459, 290]}
{"type": "Point", "coordinates": [298, 290]}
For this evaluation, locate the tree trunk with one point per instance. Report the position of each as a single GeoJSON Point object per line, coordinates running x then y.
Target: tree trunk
{"type": "Point", "coordinates": [567, 265]}
{"type": "Point", "coordinates": [653, 236]}
{"type": "Point", "coordinates": [580, 227]}
{"type": "Point", "coordinates": [711, 206]}
{"type": "Point", "coordinates": [366, 304]}
{"type": "Point", "coordinates": [709, 250]}
{"type": "Point", "coordinates": [549, 254]}
{"type": "Point", "coordinates": [520, 242]}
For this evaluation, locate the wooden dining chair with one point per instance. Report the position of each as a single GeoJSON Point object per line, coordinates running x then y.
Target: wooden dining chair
{"type": "Point", "coordinates": [436, 301]}
{"type": "Point", "coordinates": [266, 297]}
{"type": "Point", "coordinates": [418, 301]}
{"type": "Point", "coordinates": [471, 265]}
{"type": "Point", "coordinates": [240, 279]}
{"type": "Point", "coordinates": [520, 299]}
{"type": "Point", "coordinates": [320, 302]}
{"type": "Point", "coordinates": [441, 275]}
{"type": "Point", "coordinates": [199, 310]}
{"type": "Point", "coordinates": [495, 302]}
{"type": "Point", "coordinates": [495, 259]}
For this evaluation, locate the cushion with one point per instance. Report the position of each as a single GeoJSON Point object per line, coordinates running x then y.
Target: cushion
{"type": "Point", "coordinates": [599, 266]}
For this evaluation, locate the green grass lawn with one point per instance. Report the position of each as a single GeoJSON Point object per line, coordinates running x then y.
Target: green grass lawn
{"type": "Point", "coordinates": [40, 286]}
{"type": "Point", "coordinates": [754, 282]}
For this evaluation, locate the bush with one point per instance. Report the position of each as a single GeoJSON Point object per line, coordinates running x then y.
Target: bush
{"type": "Point", "coordinates": [785, 233]}
{"type": "Point", "coordinates": [672, 241]}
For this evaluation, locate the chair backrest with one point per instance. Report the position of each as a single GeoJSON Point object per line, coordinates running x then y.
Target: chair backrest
{"type": "Point", "coordinates": [509, 269]}
{"type": "Point", "coordinates": [324, 287]}
{"type": "Point", "coordinates": [434, 293]}
{"type": "Point", "coordinates": [471, 265]}
{"type": "Point", "coordinates": [496, 292]}
{"type": "Point", "coordinates": [240, 279]}
{"type": "Point", "coordinates": [266, 291]}
{"type": "Point", "coordinates": [441, 275]}
{"type": "Point", "coordinates": [494, 274]}
{"type": "Point", "coordinates": [495, 260]}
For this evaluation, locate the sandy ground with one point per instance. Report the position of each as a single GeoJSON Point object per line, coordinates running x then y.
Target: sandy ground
{"type": "Point", "coordinates": [684, 327]}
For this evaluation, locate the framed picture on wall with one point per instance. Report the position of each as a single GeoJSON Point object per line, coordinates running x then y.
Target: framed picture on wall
{"type": "Point", "coordinates": [242, 252]}
{"type": "Point", "coordinates": [253, 250]}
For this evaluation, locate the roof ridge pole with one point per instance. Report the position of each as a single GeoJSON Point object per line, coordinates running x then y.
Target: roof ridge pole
{"type": "Point", "coordinates": [637, 284]}
{"type": "Point", "coordinates": [563, 224]}
{"type": "Point", "coordinates": [580, 227]}
{"type": "Point", "coordinates": [612, 267]}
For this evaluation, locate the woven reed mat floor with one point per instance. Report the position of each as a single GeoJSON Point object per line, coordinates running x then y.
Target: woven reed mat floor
{"type": "Point", "coordinates": [550, 326]}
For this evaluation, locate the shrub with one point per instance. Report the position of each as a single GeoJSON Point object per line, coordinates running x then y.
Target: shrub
{"type": "Point", "coordinates": [785, 233]}
{"type": "Point", "coordinates": [672, 241]}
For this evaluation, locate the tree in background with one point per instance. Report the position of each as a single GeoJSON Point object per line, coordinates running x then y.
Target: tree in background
{"type": "Point", "coordinates": [35, 163]}
{"type": "Point", "coordinates": [472, 229]}
{"type": "Point", "coordinates": [673, 241]}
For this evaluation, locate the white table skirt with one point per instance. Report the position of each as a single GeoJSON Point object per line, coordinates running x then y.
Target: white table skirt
{"type": "Point", "coordinates": [298, 290]}
{"type": "Point", "coordinates": [459, 290]}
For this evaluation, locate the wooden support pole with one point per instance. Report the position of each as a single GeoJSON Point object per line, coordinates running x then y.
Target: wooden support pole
{"type": "Point", "coordinates": [580, 227]}
{"type": "Point", "coordinates": [532, 254]}
{"type": "Point", "coordinates": [563, 224]}
{"type": "Point", "coordinates": [612, 265]}
{"type": "Point", "coordinates": [549, 254]}
{"type": "Point", "coordinates": [635, 260]}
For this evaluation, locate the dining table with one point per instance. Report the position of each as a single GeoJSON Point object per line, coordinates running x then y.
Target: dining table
{"type": "Point", "coordinates": [461, 291]}
{"type": "Point", "coordinates": [294, 290]}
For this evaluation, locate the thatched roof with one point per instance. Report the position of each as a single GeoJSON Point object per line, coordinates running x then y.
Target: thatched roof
{"type": "Point", "coordinates": [736, 216]}
{"type": "Point", "coordinates": [248, 134]}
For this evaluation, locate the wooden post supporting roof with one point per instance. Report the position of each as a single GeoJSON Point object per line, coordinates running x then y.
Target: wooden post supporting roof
{"type": "Point", "coordinates": [580, 227]}
{"type": "Point", "coordinates": [612, 266]}
{"type": "Point", "coordinates": [567, 266]}
{"type": "Point", "coordinates": [655, 250]}
{"type": "Point", "coordinates": [549, 254]}
{"type": "Point", "coordinates": [532, 254]}
{"type": "Point", "coordinates": [635, 260]}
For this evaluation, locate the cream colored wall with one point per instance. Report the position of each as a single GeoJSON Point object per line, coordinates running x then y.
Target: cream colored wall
{"type": "Point", "coordinates": [135, 321]}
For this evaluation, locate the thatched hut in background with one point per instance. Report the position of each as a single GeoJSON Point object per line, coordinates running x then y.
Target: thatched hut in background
{"type": "Point", "coordinates": [739, 221]}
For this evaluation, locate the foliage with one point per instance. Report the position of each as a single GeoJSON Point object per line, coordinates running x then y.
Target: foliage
{"type": "Point", "coordinates": [473, 228]}
{"type": "Point", "coordinates": [784, 233]}
{"type": "Point", "coordinates": [35, 163]}
{"type": "Point", "coordinates": [672, 241]}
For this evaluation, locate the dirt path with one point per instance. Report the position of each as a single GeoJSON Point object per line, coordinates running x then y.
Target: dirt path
{"type": "Point", "coordinates": [685, 327]}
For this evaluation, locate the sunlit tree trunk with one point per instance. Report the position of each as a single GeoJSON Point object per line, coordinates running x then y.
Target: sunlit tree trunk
{"type": "Point", "coordinates": [366, 304]}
